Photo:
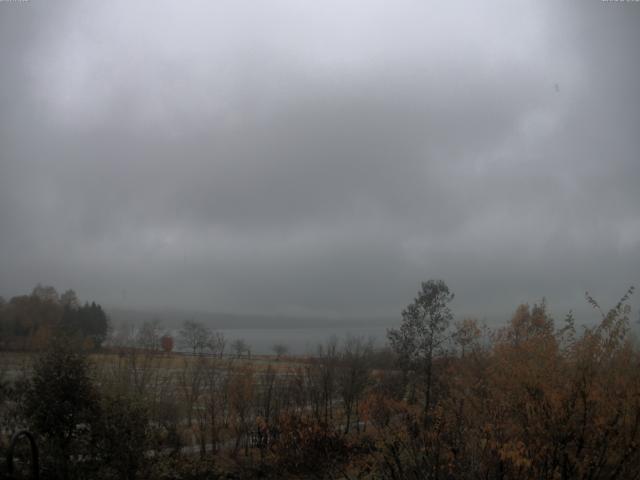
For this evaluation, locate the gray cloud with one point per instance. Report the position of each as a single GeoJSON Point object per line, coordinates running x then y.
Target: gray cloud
{"type": "Point", "coordinates": [320, 158]}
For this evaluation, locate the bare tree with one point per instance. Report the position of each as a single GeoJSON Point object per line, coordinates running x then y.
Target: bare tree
{"type": "Point", "coordinates": [217, 343]}
{"type": "Point", "coordinates": [195, 336]}
{"type": "Point", "coordinates": [241, 393]}
{"type": "Point", "coordinates": [266, 394]}
{"type": "Point", "coordinates": [215, 396]}
{"type": "Point", "coordinates": [191, 380]}
{"type": "Point", "coordinates": [320, 380]}
{"type": "Point", "coordinates": [280, 349]}
{"type": "Point", "coordinates": [353, 376]}
{"type": "Point", "coordinates": [240, 346]}
{"type": "Point", "coordinates": [149, 334]}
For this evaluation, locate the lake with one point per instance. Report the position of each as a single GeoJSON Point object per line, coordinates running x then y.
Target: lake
{"type": "Point", "coordinates": [299, 340]}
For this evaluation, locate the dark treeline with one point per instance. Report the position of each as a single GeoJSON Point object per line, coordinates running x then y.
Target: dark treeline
{"type": "Point", "coordinates": [534, 399]}
{"type": "Point", "coordinates": [30, 321]}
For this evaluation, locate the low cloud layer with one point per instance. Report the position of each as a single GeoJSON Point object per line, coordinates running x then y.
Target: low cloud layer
{"type": "Point", "coordinates": [320, 158]}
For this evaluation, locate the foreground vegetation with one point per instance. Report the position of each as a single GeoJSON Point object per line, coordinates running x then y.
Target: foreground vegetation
{"type": "Point", "coordinates": [446, 400]}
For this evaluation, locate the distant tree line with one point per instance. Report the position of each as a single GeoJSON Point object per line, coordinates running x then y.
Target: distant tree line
{"type": "Point", "coordinates": [30, 321]}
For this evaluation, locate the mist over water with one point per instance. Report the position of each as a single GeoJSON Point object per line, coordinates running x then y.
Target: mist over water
{"type": "Point", "coordinates": [299, 341]}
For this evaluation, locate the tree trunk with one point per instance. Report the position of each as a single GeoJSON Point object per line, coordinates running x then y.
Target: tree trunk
{"type": "Point", "coordinates": [427, 392]}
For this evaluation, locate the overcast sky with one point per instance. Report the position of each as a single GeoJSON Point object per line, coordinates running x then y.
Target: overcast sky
{"type": "Point", "coordinates": [320, 157]}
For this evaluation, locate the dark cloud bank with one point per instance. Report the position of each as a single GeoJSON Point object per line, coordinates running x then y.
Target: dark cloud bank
{"type": "Point", "coordinates": [320, 158]}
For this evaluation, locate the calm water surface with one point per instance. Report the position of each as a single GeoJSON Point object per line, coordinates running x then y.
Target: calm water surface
{"type": "Point", "coordinates": [299, 340]}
